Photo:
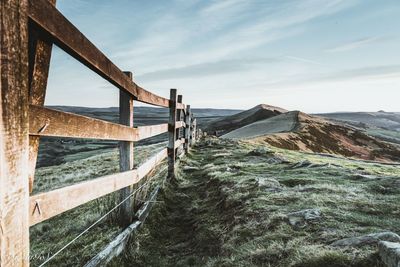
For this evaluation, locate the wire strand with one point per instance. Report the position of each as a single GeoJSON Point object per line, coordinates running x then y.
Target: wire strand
{"type": "Point", "coordinates": [92, 225]}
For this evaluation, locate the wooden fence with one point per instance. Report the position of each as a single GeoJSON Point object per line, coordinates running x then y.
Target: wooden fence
{"type": "Point", "coordinates": [28, 30]}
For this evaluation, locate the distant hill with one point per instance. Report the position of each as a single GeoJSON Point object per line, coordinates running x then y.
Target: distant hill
{"type": "Point", "coordinates": [299, 131]}
{"type": "Point", "coordinates": [143, 114]}
{"type": "Point", "coordinates": [380, 119]}
{"type": "Point", "coordinates": [54, 151]}
{"type": "Point", "coordinates": [285, 122]}
{"type": "Point", "coordinates": [229, 123]}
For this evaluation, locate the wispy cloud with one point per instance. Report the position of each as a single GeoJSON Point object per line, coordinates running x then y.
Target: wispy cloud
{"type": "Point", "coordinates": [369, 72]}
{"type": "Point", "coordinates": [364, 72]}
{"type": "Point", "coordinates": [220, 30]}
{"type": "Point", "coordinates": [229, 47]}
{"type": "Point", "coordinates": [358, 43]}
{"type": "Point", "coordinates": [206, 69]}
{"type": "Point", "coordinates": [304, 60]}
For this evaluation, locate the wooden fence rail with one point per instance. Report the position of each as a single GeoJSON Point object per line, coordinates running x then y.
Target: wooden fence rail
{"type": "Point", "coordinates": [28, 30]}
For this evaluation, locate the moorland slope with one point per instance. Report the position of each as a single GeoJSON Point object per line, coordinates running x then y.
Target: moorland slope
{"type": "Point", "coordinates": [226, 124]}
{"type": "Point", "coordinates": [236, 203]}
{"type": "Point", "coordinates": [299, 131]}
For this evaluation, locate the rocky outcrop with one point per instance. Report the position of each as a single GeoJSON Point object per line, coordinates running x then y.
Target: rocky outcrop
{"type": "Point", "coordinates": [370, 239]}
{"type": "Point", "coordinates": [300, 218]}
{"type": "Point", "coordinates": [390, 253]}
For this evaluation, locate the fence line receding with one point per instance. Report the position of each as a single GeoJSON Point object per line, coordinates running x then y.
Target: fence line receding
{"type": "Point", "coordinates": [28, 30]}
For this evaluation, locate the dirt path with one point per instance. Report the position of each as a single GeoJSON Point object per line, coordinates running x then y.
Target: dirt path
{"type": "Point", "coordinates": [229, 206]}
{"type": "Point", "coordinates": [175, 233]}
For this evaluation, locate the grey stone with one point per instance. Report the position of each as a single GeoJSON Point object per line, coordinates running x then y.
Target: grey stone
{"type": "Point", "coordinates": [268, 182]}
{"type": "Point", "coordinates": [277, 160]}
{"type": "Point", "coordinates": [370, 239]}
{"type": "Point", "coordinates": [315, 165]}
{"type": "Point", "coordinates": [390, 253]}
{"type": "Point", "coordinates": [300, 218]}
{"type": "Point", "coordinates": [190, 168]}
{"type": "Point", "coordinates": [360, 176]}
{"type": "Point", "coordinates": [301, 164]}
{"type": "Point", "coordinates": [261, 151]}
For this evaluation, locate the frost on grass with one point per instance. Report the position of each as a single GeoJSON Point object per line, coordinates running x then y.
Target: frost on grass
{"type": "Point", "coordinates": [233, 209]}
{"type": "Point", "coordinates": [51, 235]}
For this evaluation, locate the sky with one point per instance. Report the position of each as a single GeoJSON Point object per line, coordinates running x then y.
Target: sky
{"type": "Point", "coordinates": [308, 55]}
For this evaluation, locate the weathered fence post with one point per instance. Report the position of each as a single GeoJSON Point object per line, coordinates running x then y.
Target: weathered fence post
{"type": "Point", "coordinates": [14, 138]}
{"type": "Point", "coordinates": [193, 131]}
{"type": "Point", "coordinates": [39, 64]}
{"type": "Point", "coordinates": [172, 134]}
{"type": "Point", "coordinates": [126, 154]}
{"type": "Point", "coordinates": [188, 128]}
{"type": "Point", "coordinates": [179, 113]}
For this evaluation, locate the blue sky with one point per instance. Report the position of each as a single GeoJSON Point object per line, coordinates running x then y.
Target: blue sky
{"type": "Point", "coordinates": [309, 55]}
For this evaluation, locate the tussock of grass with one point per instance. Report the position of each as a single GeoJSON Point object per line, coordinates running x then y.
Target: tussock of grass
{"type": "Point", "coordinates": [49, 236]}
{"type": "Point", "coordinates": [231, 211]}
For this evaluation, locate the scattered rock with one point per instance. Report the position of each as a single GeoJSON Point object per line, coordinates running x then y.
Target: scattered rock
{"type": "Point", "coordinates": [328, 234]}
{"type": "Point", "coordinates": [260, 151]}
{"type": "Point", "coordinates": [300, 218]}
{"type": "Point", "coordinates": [308, 164]}
{"type": "Point", "coordinates": [315, 165]}
{"type": "Point", "coordinates": [277, 160]}
{"type": "Point", "coordinates": [268, 182]}
{"type": "Point", "coordinates": [360, 176]}
{"type": "Point", "coordinates": [233, 169]}
{"type": "Point", "coordinates": [390, 253]}
{"type": "Point", "coordinates": [366, 240]}
{"type": "Point", "coordinates": [301, 164]}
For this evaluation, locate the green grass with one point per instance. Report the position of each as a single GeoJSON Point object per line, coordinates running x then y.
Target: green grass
{"type": "Point", "coordinates": [387, 135]}
{"type": "Point", "coordinates": [49, 236]}
{"type": "Point", "coordinates": [231, 210]}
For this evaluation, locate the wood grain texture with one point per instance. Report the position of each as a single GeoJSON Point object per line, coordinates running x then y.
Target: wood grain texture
{"type": "Point", "coordinates": [117, 246]}
{"type": "Point", "coordinates": [39, 65]}
{"type": "Point", "coordinates": [180, 124]}
{"type": "Point", "coordinates": [126, 155]}
{"type": "Point", "coordinates": [151, 163]}
{"type": "Point", "coordinates": [72, 41]}
{"type": "Point", "coordinates": [50, 122]}
{"type": "Point", "coordinates": [179, 142]}
{"type": "Point", "coordinates": [151, 130]}
{"type": "Point", "coordinates": [14, 139]}
{"type": "Point", "coordinates": [193, 135]}
{"type": "Point", "coordinates": [179, 114]}
{"type": "Point", "coordinates": [60, 200]}
{"type": "Point", "coordinates": [180, 106]}
{"type": "Point", "coordinates": [187, 128]}
{"type": "Point", "coordinates": [172, 133]}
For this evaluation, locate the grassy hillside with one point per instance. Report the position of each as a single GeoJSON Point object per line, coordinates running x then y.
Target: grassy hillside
{"type": "Point", "coordinates": [298, 131]}
{"type": "Point", "coordinates": [228, 123]}
{"type": "Point", "coordinates": [49, 236]}
{"type": "Point", "coordinates": [286, 122]}
{"type": "Point", "coordinates": [55, 151]}
{"type": "Point", "coordinates": [232, 202]}
{"type": "Point", "coordinates": [381, 119]}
